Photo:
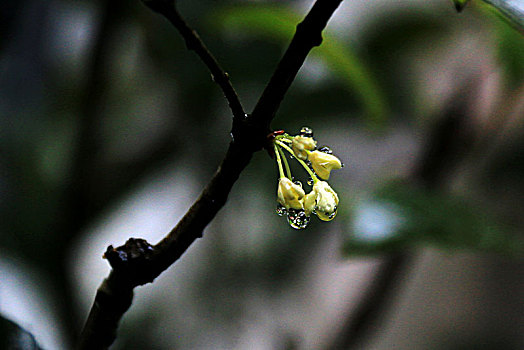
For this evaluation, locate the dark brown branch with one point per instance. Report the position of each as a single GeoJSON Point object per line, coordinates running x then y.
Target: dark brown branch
{"type": "Point", "coordinates": [194, 43]}
{"type": "Point", "coordinates": [307, 36]}
{"type": "Point", "coordinates": [137, 262]}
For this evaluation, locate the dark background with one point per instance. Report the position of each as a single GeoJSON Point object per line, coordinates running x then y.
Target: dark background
{"type": "Point", "coordinates": [109, 128]}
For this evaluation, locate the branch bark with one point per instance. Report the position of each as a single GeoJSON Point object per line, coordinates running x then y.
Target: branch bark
{"type": "Point", "coordinates": [193, 42]}
{"type": "Point", "coordinates": [137, 262]}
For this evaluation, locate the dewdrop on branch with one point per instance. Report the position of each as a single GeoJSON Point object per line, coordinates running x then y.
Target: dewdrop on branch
{"type": "Point", "coordinates": [293, 201]}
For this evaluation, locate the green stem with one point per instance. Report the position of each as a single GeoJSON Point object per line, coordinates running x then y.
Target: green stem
{"type": "Point", "coordinates": [308, 169]}
{"type": "Point", "coordinates": [286, 164]}
{"type": "Point", "coordinates": [284, 138]}
{"type": "Point", "coordinates": [279, 161]}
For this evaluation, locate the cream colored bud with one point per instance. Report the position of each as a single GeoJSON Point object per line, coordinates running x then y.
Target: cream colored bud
{"type": "Point", "coordinates": [323, 163]}
{"type": "Point", "coordinates": [290, 195]}
{"type": "Point", "coordinates": [326, 201]}
{"type": "Point", "coordinates": [302, 144]}
{"type": "Point", "coordinates": [310, 202]}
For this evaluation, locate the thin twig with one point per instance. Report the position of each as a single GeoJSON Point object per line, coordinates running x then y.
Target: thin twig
{"type": "Point", "coordinates": [194, 43]}
{"type": "Point", "coordinates": [307, 36]}
{"type": "Point", "coordinates": [137, 262]}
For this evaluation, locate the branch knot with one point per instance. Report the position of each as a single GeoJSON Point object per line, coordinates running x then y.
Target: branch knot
{"type": "Point", "coordinates": [134, 251]}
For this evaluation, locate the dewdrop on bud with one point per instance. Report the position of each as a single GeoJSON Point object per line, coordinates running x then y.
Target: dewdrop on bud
{"type": "Point", "coordinates": [289, 194]}
{"type": "Point", "coordinates": [302, 144]}
{"type": "Point", "coordinates": [326, 201]}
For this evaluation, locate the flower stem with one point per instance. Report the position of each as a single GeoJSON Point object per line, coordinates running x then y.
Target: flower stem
{"type": "Point", "coordinates": [279, 161]}
{"type": "Point", "coordinates": [286, 164]}
{"type": "Point", "coordinates": [284, 138]}
{"type": "Point", "coordinates": [308, 169]}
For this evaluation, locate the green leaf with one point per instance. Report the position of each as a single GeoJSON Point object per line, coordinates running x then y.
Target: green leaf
{"type": "Point", "coordinates": [510, 45]}
{"type": "Point", "coordinates": [510, 52]}
{"type": "Point", "coordinates": [409, 216]}
{"type": "Point", "coordinates": [512, 9]}
{"type": "Point", "coordinates": [278, 22]}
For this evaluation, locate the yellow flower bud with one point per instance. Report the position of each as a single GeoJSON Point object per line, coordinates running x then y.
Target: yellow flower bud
{"type": "Point", "coordinates": [310, 202]}
{"type": "Point", "coordinates": [302, 144]}
{"type": "Point", "coordinates": [323, 163]}
{"type": "Point", "coordinates": [290, 195]}
{"type": "Point", "coordinates": [326, 201]}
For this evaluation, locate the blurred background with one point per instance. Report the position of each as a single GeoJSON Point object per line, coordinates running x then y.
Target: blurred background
{"type": "Point", "coordinates": [110, 128]}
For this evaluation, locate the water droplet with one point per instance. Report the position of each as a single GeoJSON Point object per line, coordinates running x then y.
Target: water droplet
{"type": "Point", "coordinates": [298, 183]}
{"type": "Point", "coordinates": [333, 214]}
{"type": "Point", "coordinates": [322, 215]}
{"type": "Point", "coordinates": [281, 210]}
{"type": "Point", "coordinates": [310, 182]}
{"type": "Point", "coordinates": [297, 218]}
{"type": "Point", "coordinates": [306, 131]}
{"type": "Point", "coordinates": [325, 149]}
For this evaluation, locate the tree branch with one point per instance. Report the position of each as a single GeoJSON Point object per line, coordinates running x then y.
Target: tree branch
{"type": "Point", "coordinates": [193, 42]}
{"type": "Point", "coordinates": [307, 36]}
{"type": "Point", "coordinates": [137, 262]}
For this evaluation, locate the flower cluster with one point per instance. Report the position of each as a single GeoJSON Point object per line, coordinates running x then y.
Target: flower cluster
{"type": "Point", "coordinates": [291, 197]}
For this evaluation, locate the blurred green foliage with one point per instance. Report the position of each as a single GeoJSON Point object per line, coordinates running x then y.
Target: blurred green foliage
{"type": "Point", "coordinates": [424, 217]}
{"type": "Point", "coordinates": [510, 46]}
{"type": "Point", "coordinates": [279, 23]}
{"type": "Point", "coordinates": [511, 9]}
